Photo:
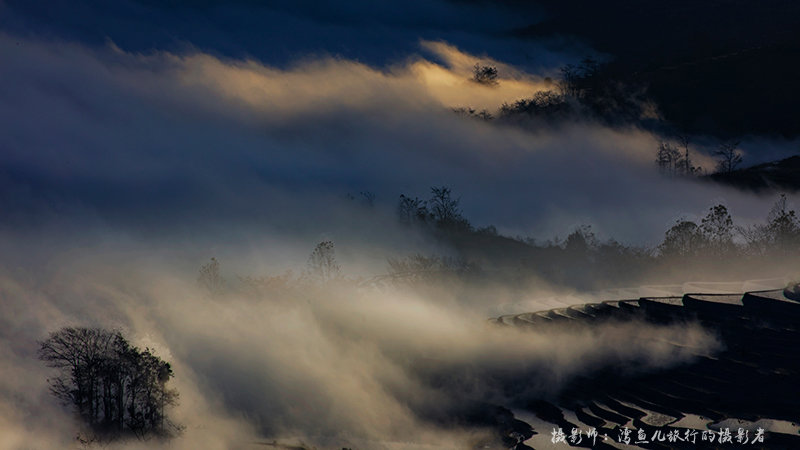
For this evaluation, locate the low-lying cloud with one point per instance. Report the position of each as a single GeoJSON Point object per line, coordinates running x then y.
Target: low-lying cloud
{"type": "Point", "coordinates": [332, 366]}
{"type": "Point", "coordinates": [146, 140]}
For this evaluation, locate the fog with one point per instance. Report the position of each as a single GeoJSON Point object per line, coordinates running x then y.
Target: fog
{"type": "Point", "coordinates": [122, 172]}
{"type": "Point", "coordinates": [145, 140]}
{"type": "Point", "coordinates": [329, 365]}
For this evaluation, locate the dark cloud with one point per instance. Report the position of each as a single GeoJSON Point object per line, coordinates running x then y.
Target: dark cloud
{"type": "Point", "coordinates": [280, 32]}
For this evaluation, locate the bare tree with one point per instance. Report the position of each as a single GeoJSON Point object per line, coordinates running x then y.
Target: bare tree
{"type": "Point", "coordinates": [210, 277]}
{"type": "Point", "coordinates": [717, 228]}
{"type": "Point", "coordinates": [686, 163]}
{"type": "Point", "coordinates": [674, 160]}
{"type": "Point", "coordinates": [728, 157]}
{"type": "Point", "coordinates": [668, 158]}
{"type": "Point", "coordinates": [783, 226]}
{"type": "Point", "coordinates": [112, 385]}
{"type": "Point", "coordinates": [568, 84]}
{"type": "Point", "coordinates": [445, 211]}
{"type": "Point", "coordinates": [322, 265]}
{"type": "Point", "coordinates": [780, 233]}
{"type": "Point", "coordinates": [486, 75]}
{"type": "Point", "coordinates": [411, 210]}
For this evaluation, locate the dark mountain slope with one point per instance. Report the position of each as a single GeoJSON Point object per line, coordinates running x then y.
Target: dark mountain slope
{"type": "Point", "coordinates": [722, 67]}
{"type": "Point", "coordinates": [783, 175]}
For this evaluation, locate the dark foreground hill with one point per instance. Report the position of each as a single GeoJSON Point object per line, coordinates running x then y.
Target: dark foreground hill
{"type": "Point", "coordinates": [751, 383]}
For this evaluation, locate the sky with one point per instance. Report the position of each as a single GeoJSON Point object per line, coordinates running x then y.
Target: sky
{"type": "Point", "coordinates": [138, 139]}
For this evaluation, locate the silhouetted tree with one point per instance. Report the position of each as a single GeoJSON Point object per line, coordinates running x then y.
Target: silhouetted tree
{"type": "Point", "coordinates": [444, 210]}
{"type": "Point", "coordinates": [780, 233]}
{"type": "Point", "coordinates": [668, 158]}
{"type": "Point", "coordinates": [717, 228]}
{"type": "Point", "coordinates": [728, 157]}
{"type": "Point", "coordinates": [411, 210]}
{"type": "Point", "coordinates": [687, 167]}
{"type": "Point", "coordinates": [568, 84]}
{"type": "Point", "coordinates": [783, 227]}
{"type": "Point", "coordinates": [322, 265]}
{"type": "Point", "coordinates": [683, 239]}
{"type": "Point", "coordinates": [545, 104]}
{"type": "Point", "coordinates": [484, 74]}
{"type": "Point", "coordinates": [112, 385]}
{"type": "Point", "coordinates": [672, 160]}
{"type": "Point", "coordinates": [581, 241]}
{"type": "Point", "coordinates": [210, 277]}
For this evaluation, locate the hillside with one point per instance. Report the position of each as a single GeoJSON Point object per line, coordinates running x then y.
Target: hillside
{"type": "Point", "coordinates": [783, 175]}
{"type": "Point", "coordinates": [708, 71]}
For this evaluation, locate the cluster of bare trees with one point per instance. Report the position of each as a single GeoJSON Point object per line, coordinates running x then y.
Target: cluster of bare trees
{"type": "Point", "coordinates": [440, 210]}
{"type": "Point", "coordinates": [549, 105]}
{"type": "Point", "coordinates": [578, 82]}
{"type": "Point", "coordinates": [579, 260]}
{"type": "Point", "coordinates": [114, 387]}
{"type": "Point", "coordinates": [587, 90]}
{"type": "Point", "coordinates": [674, 159]}
{"type": "Point", "coordinates": [713, 236]}
{"type": "Point", "coordinates": [321, 268]}
{"type": "Point", "coordinates": [580, 254]}
{"type": "Point", "coordinates": [582, 260]}
{"type": "Point", "coordinates": [716, 234]}
{"type": "Point", "coordinates": [780, 233]}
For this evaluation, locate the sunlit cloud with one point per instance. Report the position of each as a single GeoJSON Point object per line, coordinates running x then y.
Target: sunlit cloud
{"type": "Point", "coordinates": [318, 85]}
{"type": "Point", "coordinates": [325, 365]}
{"type": "Point", "coordinates": [219, 136]}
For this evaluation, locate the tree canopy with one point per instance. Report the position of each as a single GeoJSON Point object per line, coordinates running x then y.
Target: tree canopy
{"type": "Point", "coordinates": [114, 387]}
